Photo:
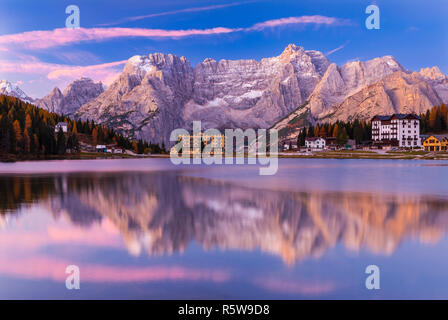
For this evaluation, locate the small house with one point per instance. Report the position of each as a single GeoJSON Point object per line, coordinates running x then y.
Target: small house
{"type": "Point", "coordinates": [61, 125]}
{"type": "Point", "coordinates": [436, 143]}
{"type": "Point", "coordinates": [101, 148]}
{"type": "Point", "coordinates": [315, 143]}
{"type": "Point", "coordinates": [290, 145]}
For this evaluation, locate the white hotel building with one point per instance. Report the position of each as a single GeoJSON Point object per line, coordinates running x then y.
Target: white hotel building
{"type": "Point", "coordinates": [401, 130]}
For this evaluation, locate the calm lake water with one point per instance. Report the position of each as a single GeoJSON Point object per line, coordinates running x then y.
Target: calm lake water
{"type": "Point", "coordinates": [146, 229]}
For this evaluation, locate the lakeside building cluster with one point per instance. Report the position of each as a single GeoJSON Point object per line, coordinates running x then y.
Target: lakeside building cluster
{"type": "Point", "coordinates": [396, 131]}
{"type": "Point", "coordinates": [389, 132]}
{"type": "Point", "coordinates": [403, 130]}
{"type": "Point", "coordinates": [99, 148]}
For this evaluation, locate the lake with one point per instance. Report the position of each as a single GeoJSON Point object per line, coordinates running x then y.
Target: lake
{"type": "Point", "coordinates": [146, 229]}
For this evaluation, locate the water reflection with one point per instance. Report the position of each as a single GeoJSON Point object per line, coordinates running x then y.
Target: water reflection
{"type": "Point", "coordinates": [162, 213]}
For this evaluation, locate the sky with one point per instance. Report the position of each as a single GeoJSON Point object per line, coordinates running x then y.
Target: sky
{"type": "Point", "coordinates": [38, 52]}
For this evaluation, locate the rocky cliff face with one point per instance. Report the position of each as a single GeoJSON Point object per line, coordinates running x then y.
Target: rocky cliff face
{"type": "Point", "coordinates": [252, 94]}
{"type": "Point", "coordinates": [158, 93]}
{"type": "Point", "coordinates": [147, 99]}
{"type": "Point", "coordinates": [74, 96]}
{"type": "Point", "coordinates": [397, 93]}
{"type": "Point", "coordinates": [360, 90]}
{"type": "Point", "coordinates": [438, 81]}
{"type": "Point", "coordinates": [339, 83]}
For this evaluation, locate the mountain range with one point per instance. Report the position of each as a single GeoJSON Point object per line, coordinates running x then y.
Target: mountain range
{"type": "Point", "coordinates": [160, 92]}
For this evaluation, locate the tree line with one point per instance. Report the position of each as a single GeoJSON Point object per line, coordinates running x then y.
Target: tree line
{"type": "Point", "coordinates": [435, 120]}
{"type": "Point", "coordinates": [358, 130]}
{"type": "Point", "coordinates": [29, 131]}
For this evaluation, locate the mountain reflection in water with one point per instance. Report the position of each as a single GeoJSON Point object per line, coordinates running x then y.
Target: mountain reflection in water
{"type": "Point", "coordinates": [162, 213]}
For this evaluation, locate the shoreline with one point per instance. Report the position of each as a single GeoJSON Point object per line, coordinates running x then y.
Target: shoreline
{"type": "Point", "coordinates": [72, 156]}
{"type": "Point", "coordinates": [350, 154]}
{"type": "Point", "coordinates": [413, 155]}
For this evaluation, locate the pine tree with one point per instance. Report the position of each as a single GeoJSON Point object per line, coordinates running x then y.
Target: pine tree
{"type": "Point", "coordinates": [95, 136]}
{"type": "Point", "coordinates": [301, 138]}
{"type": "Point", "coordinates": [342, 137]}
{"type": "Point", "coordinates": [358, 134]}
{"type": "Point", "coordinates": [61, 144]}
{"type": "Point", "coordinates": [73, 143]}
{"type": "Point", "coordinates": [4, 136]}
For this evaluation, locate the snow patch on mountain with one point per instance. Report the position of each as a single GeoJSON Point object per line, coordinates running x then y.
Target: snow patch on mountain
{"type": "Point", "coordinates": [9, 89]}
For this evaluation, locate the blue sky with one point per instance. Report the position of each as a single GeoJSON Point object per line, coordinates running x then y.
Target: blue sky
{"type": "Point", "coordinates": [414, 31]}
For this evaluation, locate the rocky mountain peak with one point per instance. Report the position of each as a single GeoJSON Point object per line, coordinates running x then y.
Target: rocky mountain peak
{"type": "Point", "coordinates": [84, 85]}
{"type": "Point", "coordinates": [74, 96]}
{"type": "Point", "coordinates": [9, 89]}
{"type": "Point", "coordinates": [433, 73]}
{"type": "Point", "coordinates": [156, 64]}
{"type": "Point", "coordinates": [292, 49]}
{"type": "Point", "coordinates": [139, 65]}
{"type": "Point", "coordinates": [209, 60]}
{"type": "Point", "coordinates": [391, 61]}
{"type": "Point", "coordinates": [56, 92]}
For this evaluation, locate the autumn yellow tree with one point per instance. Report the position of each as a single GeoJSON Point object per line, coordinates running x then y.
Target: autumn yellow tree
{"type": "Point", "coordinates": [322, 132]}
{"type": "Point", "coordinates": [17, 134]}
{"type": "Point", "coordinates": [26, 133]}
{"type": "Point", "coordinates": [74, 129]}
{"type": "Point", "coordinates": [335, 131]}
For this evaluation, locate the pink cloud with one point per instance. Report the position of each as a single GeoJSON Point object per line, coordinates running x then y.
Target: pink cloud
{"type": "Point", "coordinates": [30, 263]}
{"type": "Point", "coordinates": [298, 20]}
{"type": "Point", "coordinates": [94, 236]}
{"type": "Point", "coordinates": [64, 36]}
{"type": "Point", "coordinates": [54, 269]}
{"type": "Point", "coordinates": [26, 67]}
{"type": "Point", "coordinates": [106, 72]}
{"type": "Point", "coordinates": [104, 234]}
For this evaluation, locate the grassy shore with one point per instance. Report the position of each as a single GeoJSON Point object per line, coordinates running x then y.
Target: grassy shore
{"type": "Point", "coordinates": [356, 154]}
{"type": "Point", "coordinates": [340, 154]}
{"type": "Point", "coordinates": [361, 154]}
{"type": "Point", "coordinates": [67, 156]}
